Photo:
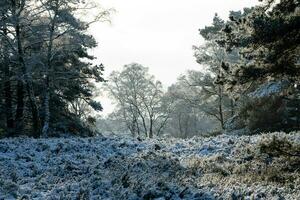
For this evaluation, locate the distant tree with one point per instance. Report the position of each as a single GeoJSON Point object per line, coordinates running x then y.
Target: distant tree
{"type": "Point", "coordinates": [187, 116]}
{"type": "Point", "coordinates": [214, 59]}
{"type": "Point", "coordinates": [113, 124]}
{"type": "Point", "coordinates": [139, 99]}
{"type": "Point", "coordinates": [198, 90]}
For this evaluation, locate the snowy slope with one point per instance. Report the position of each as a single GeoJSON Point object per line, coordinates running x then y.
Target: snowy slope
{"type": "Point", "coordinates": [116, 168]}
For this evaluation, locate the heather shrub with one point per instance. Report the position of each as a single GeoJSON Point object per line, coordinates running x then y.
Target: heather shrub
{"type": "Point", "coordinates": [282, 151]}
{"type": "Point", "coordinates": [273, 159]}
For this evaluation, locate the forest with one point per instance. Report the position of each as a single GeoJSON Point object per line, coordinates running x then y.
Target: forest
{"type": "Point", "coordinates": [229, 130]}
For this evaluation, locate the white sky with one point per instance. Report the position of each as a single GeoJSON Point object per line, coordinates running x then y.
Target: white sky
{"type": "Point", "coordinates": [158, 34]}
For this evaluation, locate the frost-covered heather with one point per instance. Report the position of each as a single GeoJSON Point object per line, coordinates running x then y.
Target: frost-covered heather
{"type": "Point", "coordinates": [118, 168]}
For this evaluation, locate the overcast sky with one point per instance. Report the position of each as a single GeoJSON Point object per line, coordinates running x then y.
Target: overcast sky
{"type": "Point", "coordinates": [158, 34]}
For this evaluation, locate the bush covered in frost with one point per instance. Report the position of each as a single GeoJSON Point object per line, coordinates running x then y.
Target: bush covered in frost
{"type": "Point", "coordinates": [221, 167]}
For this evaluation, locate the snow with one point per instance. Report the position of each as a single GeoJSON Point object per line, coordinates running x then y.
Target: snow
{"type": "Point", "coordinates": [270, 88]}
{"type": "Point", "coordinates": [125, 168]}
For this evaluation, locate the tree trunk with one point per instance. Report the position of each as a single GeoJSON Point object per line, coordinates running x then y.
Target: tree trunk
{"type": "Point", "coordinates": [186, 127]}
{"type": "Point", "coordinates": [151, 128]}
{"type": "Point", "coordinates": [7, 87]}
{"type": "Point", "coordinates": [19, 118]}
{"type": "Point", "coordinates": [8, 102]}
{"type": "Point", "coordinates": [180, 125]}
{"type": "Point", "coordinates": [221, 107]}
{"type": "Point", "coordinates": [232, 107]}
{"type": "Point", "coordinates": [27, 79]}
{"type": "Point", "coordinates": [143, 120]}
{"type": "Point", "coordinates": [162, 125]}
{"type": "Point", "coordinates": [137, 126]}
{"type": "Point", "coordinates": [46, 113]}
{"type": "Point", "coordinates": [47, 78]}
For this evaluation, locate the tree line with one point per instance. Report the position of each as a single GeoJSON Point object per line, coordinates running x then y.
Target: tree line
{"type": "Point", "coordinates": [249, 82]}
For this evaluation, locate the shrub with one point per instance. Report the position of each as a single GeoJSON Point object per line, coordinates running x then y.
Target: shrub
{"type": "Point", "coordinates": [274, 158]}
{"type": "Point", "coordinates": [286, 152]}
{"type": "Point", "coordinates": [264, 115]}
{"type": "Point", "coordinates": [2, 133]}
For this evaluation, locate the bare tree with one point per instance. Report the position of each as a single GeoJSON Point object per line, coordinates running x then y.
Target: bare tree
{"type": "Point", "coordinates": [139, 100]}
{"type": "Point", "coordinates": [197, 89]}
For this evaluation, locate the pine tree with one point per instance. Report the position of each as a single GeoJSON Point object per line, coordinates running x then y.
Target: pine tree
{"type": "Point", "coordinates": [45, 65]}
{"type": "Point", "coordinates": [267, 37]}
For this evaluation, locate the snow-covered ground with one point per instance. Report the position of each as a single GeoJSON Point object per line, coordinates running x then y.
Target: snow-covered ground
{"type": "Point", "coordinates": [118, 168]}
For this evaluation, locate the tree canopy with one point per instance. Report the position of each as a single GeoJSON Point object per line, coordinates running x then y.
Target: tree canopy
{"type": "Point", "coordinates": [45, 65]}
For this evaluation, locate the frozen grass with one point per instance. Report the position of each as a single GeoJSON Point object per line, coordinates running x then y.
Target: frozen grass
{"type": "Point", "coordinates": [222, 167]}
